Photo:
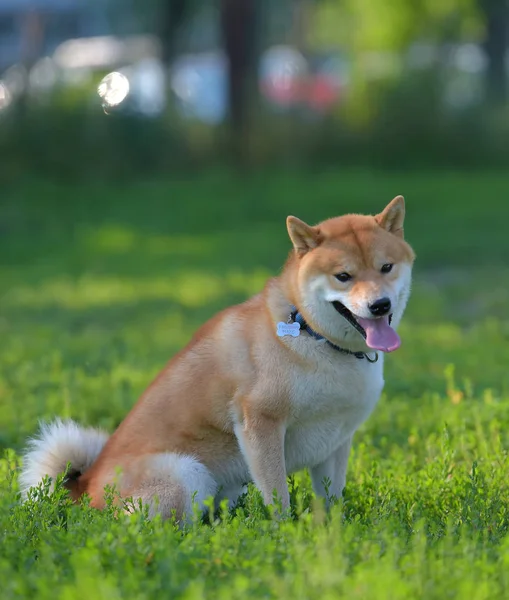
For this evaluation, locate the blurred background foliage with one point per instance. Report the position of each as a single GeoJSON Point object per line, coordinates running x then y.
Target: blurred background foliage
{"type": "Point", "coordinates": [392, 83]}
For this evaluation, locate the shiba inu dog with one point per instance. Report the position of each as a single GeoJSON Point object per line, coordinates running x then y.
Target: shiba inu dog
{"type": "Point", "coordinates": [266, 388]}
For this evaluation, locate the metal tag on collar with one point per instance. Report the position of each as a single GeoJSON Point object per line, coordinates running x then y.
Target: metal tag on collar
{"type": "Point", "coordinates": [292, 329]}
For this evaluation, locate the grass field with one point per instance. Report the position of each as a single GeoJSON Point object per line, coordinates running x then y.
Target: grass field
{"type": "Point", "coordinates": [100, 285]}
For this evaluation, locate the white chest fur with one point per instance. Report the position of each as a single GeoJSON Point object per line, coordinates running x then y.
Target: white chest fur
{"type": "Point", "coordinates": [328, 404]}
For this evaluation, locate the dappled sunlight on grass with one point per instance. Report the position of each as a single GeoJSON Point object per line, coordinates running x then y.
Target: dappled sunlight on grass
{"type": "Point", "coordinates": [191, 288]}
{"type": "Point", "coordinates": [114, 239]}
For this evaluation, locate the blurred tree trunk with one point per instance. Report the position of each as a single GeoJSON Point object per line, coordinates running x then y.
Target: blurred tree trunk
{"type": "Point", "coordinates": [239, 31]}
{"type": "Point", "coordinates": [32, 43]}
{"type": "Point", "coordinates": [173, 15]}
{"type": "Point", "coordinates": [302, 13]}
{"type": "Point", "coordinates": [496, 14]}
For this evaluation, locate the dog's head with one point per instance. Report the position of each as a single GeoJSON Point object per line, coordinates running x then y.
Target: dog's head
{"type": "Point", "coordinates": [352, 275]}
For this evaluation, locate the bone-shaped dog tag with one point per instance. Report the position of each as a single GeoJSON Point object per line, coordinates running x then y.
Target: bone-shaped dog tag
{"type": "Point", "coordinates": [292, 329]}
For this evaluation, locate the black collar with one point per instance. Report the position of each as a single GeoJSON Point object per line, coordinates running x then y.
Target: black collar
{"type": "Point", "coordinates": [297, 317]}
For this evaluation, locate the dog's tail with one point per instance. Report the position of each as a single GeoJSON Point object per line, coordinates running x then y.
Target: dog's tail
{"type": "Point", "coordinates": [58, 444]}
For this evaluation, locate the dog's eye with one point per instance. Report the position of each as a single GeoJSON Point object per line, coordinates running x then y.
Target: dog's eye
{"type": "Point", "coordinates": [387, 268]}
{"type": "Point", "coordinates": [343, 277]}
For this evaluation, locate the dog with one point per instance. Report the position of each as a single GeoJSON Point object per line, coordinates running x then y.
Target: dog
{"type": "Point", "coordinates": [265, 388]}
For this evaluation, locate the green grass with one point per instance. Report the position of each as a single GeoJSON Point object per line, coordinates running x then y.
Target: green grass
{"type": "Point", "coordinates": [100, 285]}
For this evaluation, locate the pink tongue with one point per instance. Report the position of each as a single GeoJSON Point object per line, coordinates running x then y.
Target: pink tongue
{"type": "Point", "coordinates": [379, 334]}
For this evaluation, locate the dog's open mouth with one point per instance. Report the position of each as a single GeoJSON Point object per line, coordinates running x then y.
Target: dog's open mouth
{"type": "Point", "coordinates": [378, 333]}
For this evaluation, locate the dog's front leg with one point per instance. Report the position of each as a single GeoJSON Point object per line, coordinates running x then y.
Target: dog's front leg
{"type": "Point", "coordinates": [262, 441]}
{"type": "Point", "coordinates": [329, 477]}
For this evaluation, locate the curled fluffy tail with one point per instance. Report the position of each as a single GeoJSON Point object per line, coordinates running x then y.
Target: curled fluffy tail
{"type": "Point", "coordinates": [57, 444]}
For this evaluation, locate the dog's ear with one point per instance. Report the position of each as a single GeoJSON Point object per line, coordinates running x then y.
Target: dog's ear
{"type": "Point", "coordinates": [393, 216]}
{"type": "Point", "coordinates": [304, 237]}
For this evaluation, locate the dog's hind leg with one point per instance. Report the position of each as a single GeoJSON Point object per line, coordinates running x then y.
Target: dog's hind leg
{"type": "Point", "coordinates": [169, 484]}
{"type": "Point", "coordinates": [232, 493]}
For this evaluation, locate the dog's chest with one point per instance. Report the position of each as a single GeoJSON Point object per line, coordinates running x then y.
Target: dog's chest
{"type": "Point", "coordinates": [327, 406]}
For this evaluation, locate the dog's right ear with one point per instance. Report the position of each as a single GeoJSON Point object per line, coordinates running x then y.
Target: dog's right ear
{"type": "Point", "coordinates": [304, 237]}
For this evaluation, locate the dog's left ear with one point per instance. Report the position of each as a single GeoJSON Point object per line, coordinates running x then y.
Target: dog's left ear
{"type": "Point", "coordinates": [393, 216]}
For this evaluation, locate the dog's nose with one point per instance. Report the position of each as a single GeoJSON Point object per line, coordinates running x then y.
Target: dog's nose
{"type": "Point", "coordinates": [381, 307]}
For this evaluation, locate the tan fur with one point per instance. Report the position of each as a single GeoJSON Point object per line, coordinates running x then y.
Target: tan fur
{"type": "Point", "coordinates": [247, 405]}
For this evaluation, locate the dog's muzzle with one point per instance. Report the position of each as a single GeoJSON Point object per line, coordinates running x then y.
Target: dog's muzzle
{"type": "Point", "coordinates": [349, 316]}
